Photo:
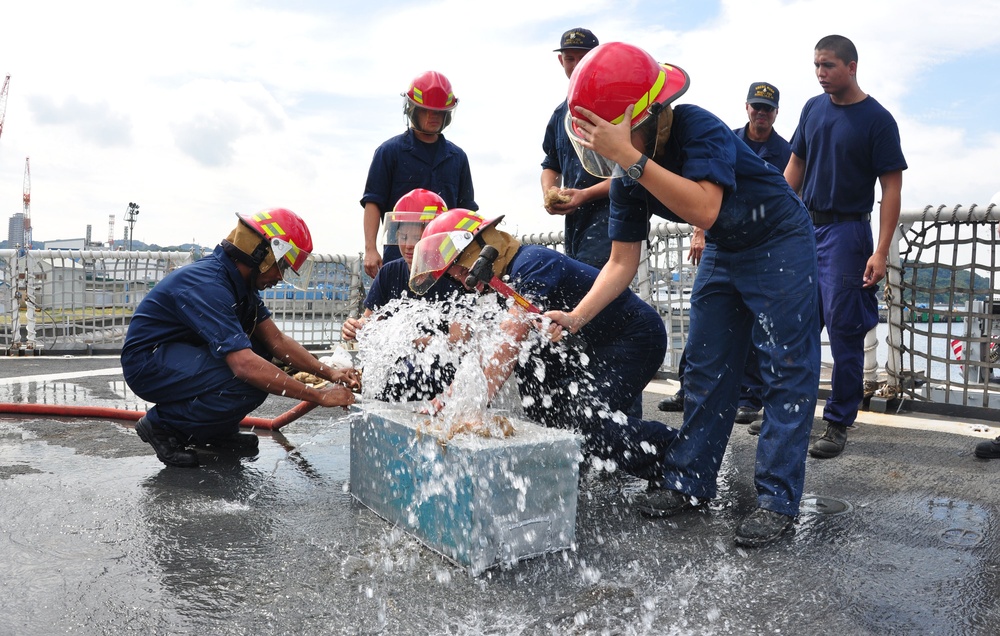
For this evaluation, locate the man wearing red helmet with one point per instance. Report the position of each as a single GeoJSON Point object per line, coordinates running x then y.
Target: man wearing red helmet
{"type": "Point", "coordinates": [420, 157]}
{"type": "Point", "coordinates": [589, 387]}
{"type": "Point", "coordinates": [199, 346]}
{"type": "Point", "coordinates": [756, 282]}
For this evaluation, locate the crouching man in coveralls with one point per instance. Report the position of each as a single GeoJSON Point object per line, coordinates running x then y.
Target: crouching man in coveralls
{"type": "Point", "coordinates": [588, 387]}
{"type": "Point", "coordinates": [200, 345]}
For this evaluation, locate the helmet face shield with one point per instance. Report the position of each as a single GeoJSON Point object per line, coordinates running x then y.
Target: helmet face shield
{"type": "Point", "coordinates": [298, 278]}
{"type": "Point", "coordinates": [607, 81]}
{"type": "Point", "coordinates": [405, 228]}
{"type": "Point", "coordinates": [288, 253]}
{"type": "Point", "coordinates": [593, 162]}
{"type": "Point", "coordinates": [433, 256]}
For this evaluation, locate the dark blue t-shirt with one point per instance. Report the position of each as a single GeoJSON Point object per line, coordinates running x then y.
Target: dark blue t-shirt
{"type": "Point", "coordinates": [404, 163]}
{"type": "Point", "coordinates": [756, 202]}
{"type": "Point", "coordinates": [204, 303]}
{"type": "Point", "coordinates": [845, 150]}
{"type": "Point", "coordinates": [553, 281]}
{"type": "Point", "coordinates": [587, 228]}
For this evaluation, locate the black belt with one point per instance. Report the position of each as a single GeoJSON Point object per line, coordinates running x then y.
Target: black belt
{"type": "Point", "coordinates": [826, 218]}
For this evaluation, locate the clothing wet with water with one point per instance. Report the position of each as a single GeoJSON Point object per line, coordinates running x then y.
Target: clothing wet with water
{"type": "Point", "coordinates": [755, 286]}
{"type": "Point", "coordinates": [615, 357]}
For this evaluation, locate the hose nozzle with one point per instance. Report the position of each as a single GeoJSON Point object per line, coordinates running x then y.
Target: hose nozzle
{"type": "Point", "coordinates": [482, 270]}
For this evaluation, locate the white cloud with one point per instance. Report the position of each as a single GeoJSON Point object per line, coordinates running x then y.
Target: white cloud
{"type": "Point", "coordinates": [200, 110]}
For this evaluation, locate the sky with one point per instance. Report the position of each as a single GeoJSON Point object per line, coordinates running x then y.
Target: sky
{"type": "Point", "coordinates": [199, 110]}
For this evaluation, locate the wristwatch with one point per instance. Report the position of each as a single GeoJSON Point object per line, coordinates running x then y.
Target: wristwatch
{"type": "Point", "coordinates": [635, 170]}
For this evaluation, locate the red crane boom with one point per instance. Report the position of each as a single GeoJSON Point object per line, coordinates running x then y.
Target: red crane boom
{"type": "Point", "coordinates": [3, 102]}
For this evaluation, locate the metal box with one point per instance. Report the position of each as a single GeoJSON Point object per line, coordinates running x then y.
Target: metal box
{"type": "Point", "coordinates": [481, 502]}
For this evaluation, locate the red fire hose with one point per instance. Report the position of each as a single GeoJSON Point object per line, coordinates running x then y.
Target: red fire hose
{"type": "Point", "coordinates": [62, 410]}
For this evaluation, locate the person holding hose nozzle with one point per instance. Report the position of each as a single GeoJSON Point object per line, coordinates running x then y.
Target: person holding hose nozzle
{"type": "Point", "coordinates": [756, 282]}
{"type": "Point", "coordinates": [585, 388]}
{"type": "Point", "coordinates": [200, 344]}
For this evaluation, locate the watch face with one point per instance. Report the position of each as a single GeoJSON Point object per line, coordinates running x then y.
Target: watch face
{"type": "Point", "coordinates": [634, 171]}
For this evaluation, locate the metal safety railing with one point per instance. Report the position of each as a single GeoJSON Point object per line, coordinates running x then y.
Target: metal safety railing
{"type": "Point", "coordinates": [942, 309]}
{"type": "Point", "coordinates": [938, 342]}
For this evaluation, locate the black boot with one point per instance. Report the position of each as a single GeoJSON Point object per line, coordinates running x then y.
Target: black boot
{"type": "Point", "coordinates": [243, 444]}
{"type": "Point", "coordinates": [662, 502]}
{"type": "Point", "coordinates": [745, 415]}
{"type": "Point", "coordinates": [169, 449]}
{"type": "Point", "coordinates": [762, 527]}
{"type": "Point", "coordinates": [832, 443]}
{"type": "Point", "coordinates": [988, 450]}
{"type": "Point", "coordinates": [673, 403]}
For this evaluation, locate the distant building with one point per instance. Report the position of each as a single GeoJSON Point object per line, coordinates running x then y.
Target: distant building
{"type": "Point", "coordinates": [67, 244]}
{"type": "Point", "coordinates": [15, 230]}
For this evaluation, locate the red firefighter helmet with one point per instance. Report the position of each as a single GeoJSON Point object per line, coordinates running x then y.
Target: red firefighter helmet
{"type": "Point", "coordinates": [443, 242]}
{"type": "Point", "coordinates": [430, 90]}
{"type": "Point", "coordinates": [609, 79]}
{"type": "Point", "coordinates": [418, 206]}
{"type": "Point", "coordinates": [285, 233]}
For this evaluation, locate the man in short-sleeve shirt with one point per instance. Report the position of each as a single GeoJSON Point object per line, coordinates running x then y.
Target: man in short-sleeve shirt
{"type": "Point", "coordinates": [844, 143]}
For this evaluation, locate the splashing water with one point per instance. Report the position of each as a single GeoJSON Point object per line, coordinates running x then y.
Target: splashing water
{"type": "Point", "coordinates": [389, 354]}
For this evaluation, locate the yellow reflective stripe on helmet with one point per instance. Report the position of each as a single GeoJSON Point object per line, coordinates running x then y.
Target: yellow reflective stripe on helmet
{"type": "Point", "coordinates": [272, 229]}
{"type": "Point", "coordinates": [447, 249]}
{"type": "Point", "coordinates": [429, 213]}
{"type": "Point", "coordinates": [643, 103]}
{"type": "Point", "coordinates": [468, 224]}
{"type": "Point", "coordinates": [293, 252]}
{"type": "Point", "coordinates": [418, 95]}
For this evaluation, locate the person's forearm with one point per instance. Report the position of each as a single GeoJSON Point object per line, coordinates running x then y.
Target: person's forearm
{"type": "Point", "coordinates": [610, 283]}
{"type": "Point", "coordinates": [262, 374]}
{"type": "Point", "coordinates": [373, 217]}
{"type": "Point", "coordinates": [794, 172]}
{"type": "Point", "coordinates": [599, 190]}
{"type": "Point", "coordinates": [697, 202]}
{"type": "Point", "coordinates": [889, 208]}
{"type": "Point", "coordinates": [550, 179]}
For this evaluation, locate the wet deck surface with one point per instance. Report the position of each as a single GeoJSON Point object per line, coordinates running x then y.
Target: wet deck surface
{"type": "Point", "coordinates": [98, 537]}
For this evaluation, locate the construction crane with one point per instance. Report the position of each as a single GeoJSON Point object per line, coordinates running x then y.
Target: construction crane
{"type": "Point", "coordinates": [27, 204]}
{"type": "Point", "coordinates": [3, 102]}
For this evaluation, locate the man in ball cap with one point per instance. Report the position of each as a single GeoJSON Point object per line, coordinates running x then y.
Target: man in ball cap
{"type": "Point", "coordinates": [567, 189]}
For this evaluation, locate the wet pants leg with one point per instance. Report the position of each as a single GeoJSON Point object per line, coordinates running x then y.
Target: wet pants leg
{"type": "Point", "coordinates": [194, 393]}
{"type": "Point", "coordinates": [765, 297]}
{"type": "Point", "coordinates": [594, 398]}
{"type": "Point", "coordinates": [753, 385]}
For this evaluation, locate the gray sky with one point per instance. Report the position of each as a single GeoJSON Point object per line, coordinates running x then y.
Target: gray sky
{"type": "Point", "coordinates": [199, 110]}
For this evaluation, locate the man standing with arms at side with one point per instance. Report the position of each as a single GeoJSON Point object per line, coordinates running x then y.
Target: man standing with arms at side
{"type": "Point", "coordinates": [419, 158]}
{"type": "Point", "coordinates": [844, 142]}
{"type": "Point", "coordinates": [582, 198]}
